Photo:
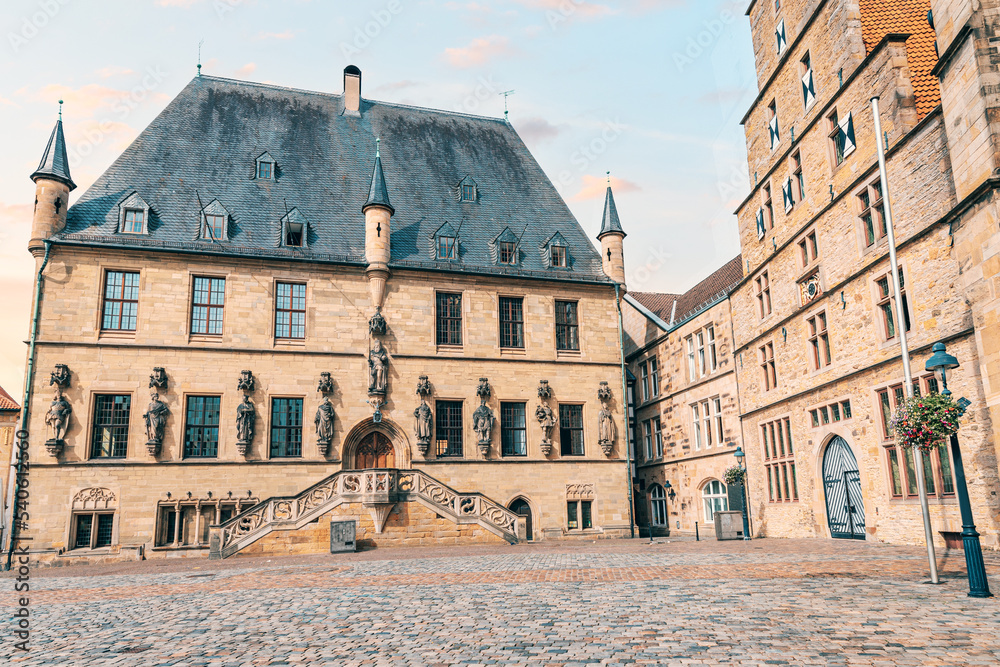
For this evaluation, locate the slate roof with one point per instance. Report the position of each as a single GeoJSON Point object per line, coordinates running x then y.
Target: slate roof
{"type": "Point", "coordinates": [203, 145]}
{"type": "Point", "coordinates": [54, 162]}
{"type": "Point", "coordinates": [8, 404]}
{"type": "Point", "coordinates": [882, 17]}
{"type": "Point", "coordinates": [702, 296]}
{"type": "Point", "coordinates": [610, 222]}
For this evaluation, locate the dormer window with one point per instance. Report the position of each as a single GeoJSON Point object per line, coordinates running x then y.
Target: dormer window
{"type": "Point", "coordinates": [135, 221]}
{"type": "Point", "coordinates": [467, 190]}
{"type": "Point", "coordinates": [214, 222]}
{"type": "Point", "coordinates": [446, 247]}
{"type": "Point", "coordinates": [133, 214]}
{"type": "Point", "coordinates": [558, 256]}
{"type": "Point", "coordinates": [294, 230]}
{"type": "Point", "coordinates": [504, 248]}
{"type": "Point", "coordinates": [508, 252]}
{"type": "Point", "coordinates": [265, 167]}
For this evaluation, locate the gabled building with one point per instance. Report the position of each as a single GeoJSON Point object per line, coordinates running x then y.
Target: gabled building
{"type": "Point", "coordinates": [281, 307]}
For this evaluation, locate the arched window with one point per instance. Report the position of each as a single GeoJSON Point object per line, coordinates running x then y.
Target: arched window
{"type": "Point", "coordinates": [658, 501]}
{"type": "Point", "coordinates": [715, 497]}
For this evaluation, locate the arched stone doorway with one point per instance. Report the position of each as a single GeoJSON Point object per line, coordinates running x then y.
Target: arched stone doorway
{"type": "Point", "coordinates": [845, 506]}
{"type": "Point", "coordinates": [374, 451]}
{"type": "Point", "coordinates": [521, 507]}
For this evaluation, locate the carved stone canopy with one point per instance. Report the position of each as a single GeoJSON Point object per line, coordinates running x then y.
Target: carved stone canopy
{"type": "Point", "coordinates": [158, 379]}
{"type": "Point", "coordinates": [93, 498]}
{"type": "Point", "coordinates": [484, 390]}
{"type": "Point", "coordinates": [604, 392]}
{"type": "Point", "coordinates": [423, 386]}
{"type": "Point", "coordinates": [544, 390]}
{"type": "Point", "coordinates": [377, 324]}
{"type": "Point", "coordinates": [60, 376]}
{"type": "Point", "coordinates": [325, 383]}
{"type": "Point", "coordinates": [247, 382]}
{"type": "Point", "coordinates": [583, 491]}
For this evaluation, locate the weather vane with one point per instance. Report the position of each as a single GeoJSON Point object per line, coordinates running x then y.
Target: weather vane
{"type": "Point", "coordinates": [199, 56]}
{"type": "Point", "coordinates": [60, 109]}
{"type": "Point", "coordinates": [378, 140]}
{"type": "Point", "coordinates": [506, 94]}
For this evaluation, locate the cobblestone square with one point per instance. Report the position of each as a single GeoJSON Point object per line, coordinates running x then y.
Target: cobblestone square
{"type": "Point", "coordinates": [674, 602]}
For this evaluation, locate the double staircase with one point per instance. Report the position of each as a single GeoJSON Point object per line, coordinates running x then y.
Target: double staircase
{"type": "Point", "coordinates": [378, 491]}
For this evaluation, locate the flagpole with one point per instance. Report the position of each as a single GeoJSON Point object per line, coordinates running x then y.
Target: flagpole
{"type": "Point", "coordinates": [918, 455]}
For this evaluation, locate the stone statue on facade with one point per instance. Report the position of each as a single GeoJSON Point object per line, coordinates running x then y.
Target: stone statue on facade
{"type": "Point", "coordinates": [605, 422]}
{"type": "Point", "coordinates": [246, 416]}
{"type": "Point", "coordinates": [545, 416]}
{"type": "Point", "coordinates": [324, 425]}
{"type": "Point", "coordinates": [423, 416]}
{"type": "Point", "coordinates": [156, 420]}
{"type": "Point", "coordinates": [378, 369]}
{"type": "Point", "coordinates": [482, 418]}
{"type": "Point", "coordinates": [57, 423]}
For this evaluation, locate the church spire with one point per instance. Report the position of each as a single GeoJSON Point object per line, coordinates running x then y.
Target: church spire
{"type": "Point", "coordinates": [55, 163]}
{"type": "Point", "coordinates": [378, 195]}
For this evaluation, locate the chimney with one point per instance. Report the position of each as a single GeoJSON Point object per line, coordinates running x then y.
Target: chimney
{"type": "Point", "coordinates": [352, 90]}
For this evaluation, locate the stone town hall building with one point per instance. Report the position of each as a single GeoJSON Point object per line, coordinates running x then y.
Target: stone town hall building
{"type": "Point", "coordinates": [246, 330]}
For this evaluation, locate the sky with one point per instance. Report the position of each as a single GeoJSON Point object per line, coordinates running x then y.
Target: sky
{"type": "Point", "coordinates": [650, 90]}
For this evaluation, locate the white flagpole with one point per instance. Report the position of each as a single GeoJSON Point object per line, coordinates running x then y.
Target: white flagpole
{"type": "Point", "coordinates": [918, 455]}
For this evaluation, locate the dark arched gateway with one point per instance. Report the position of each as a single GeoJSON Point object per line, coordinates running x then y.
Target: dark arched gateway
{"type": "Point", "coordinates": [521, 507]}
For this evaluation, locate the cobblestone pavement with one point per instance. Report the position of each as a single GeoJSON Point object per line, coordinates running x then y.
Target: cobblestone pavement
{"type": "Point", "coordinates": [767, 602]}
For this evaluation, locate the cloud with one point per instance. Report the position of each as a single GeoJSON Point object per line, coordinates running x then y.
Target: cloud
{"type": "Point", "coordinates": [536, 129]}
{"type": "Point", "coordinates": [108, 72]}
{"type": "Point", "coordinates": [725, 96]}
{"type": "Point", "coordinates": [246, 70]}
{"type": "Point", "coordinates": [595, 186]}
{"type": "Point", "coordinates": [178, 3]}
{"type": "Point", "coordinates": [478, 51]}
{"type": "Point", "coordinates": [287, 34]}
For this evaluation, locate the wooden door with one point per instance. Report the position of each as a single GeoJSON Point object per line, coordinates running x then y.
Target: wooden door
{"type": "Point", "coordinates": [375, 451]}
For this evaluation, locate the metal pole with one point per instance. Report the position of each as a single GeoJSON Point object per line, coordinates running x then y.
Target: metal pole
{"type": "Point", "coordinates": [979, 585]}
{"type": "Point", "coordinates": [901, 331]}
{"type": "Point", "coordinates": [746, 509]}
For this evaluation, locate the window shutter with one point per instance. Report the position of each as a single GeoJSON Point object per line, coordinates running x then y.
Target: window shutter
{"type": "Point", "coordinates": [780, 36]}
{"type": "Point", "coordinates": [786, 193]}
{"type": "Point", "coordinates": [847, 134]}
{"type": "Point", "coordinates": [772, 128]}
{"type": "Point", "coordinates": [760, 224]}
{"type": "Point", "coordinates": [808, 88]}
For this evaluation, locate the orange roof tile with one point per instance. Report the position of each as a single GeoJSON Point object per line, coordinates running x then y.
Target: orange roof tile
{"type": "Point", "coordinates": [6, 402]}
{"type": "Point", "coordinates": [882, 17]}
{"type": "Point", "coordinates": [721, 281]}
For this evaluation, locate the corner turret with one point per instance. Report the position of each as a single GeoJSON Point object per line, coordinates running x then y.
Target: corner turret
{"type": "Point", "coordinates": [378, 216]}
{"type": "Point", "coordinates": [611, 237]}
{"type": "Point", "coordinates": [53, 184]}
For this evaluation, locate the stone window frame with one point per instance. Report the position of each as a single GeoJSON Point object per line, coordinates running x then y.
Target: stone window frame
{"type": "Point", "coordinates": [101, 315]}
{"type": "Point", "coordinates": [658, 436]}
{"type": "Point", "coordinates": [180, 503]}
{"type": "Point", "coordinates": [885, 303]}
{"type": "Point", "coordinates": [291, 310]}
{"type": "Point", "coordinates": [781, 37]}
{"type": "Point", "coordinates": [869, 206]}
{"type": "Point", "coordinates": [767, 204]}
{"type": "Point", "coordinates": [798, 177]}
{"type": "Point", "coordinates": [578, 498]}
{"type": "Point", "coordinates": [206, 335]}
{"type": "Point", "coordinates": [569, 349]}
{"type": "Point", "coordinates": [705, 496]}
{"type": "Point", "coordinates": [95, 502]}
{"type": "Point", "coordinates": [271, 455]}
{"type": "Point", "coordinates": [460, 429]}
{"type": "Point", "coordinates": [447, 345]}
{"type": "Point", "coordinates": [186, 402]}
{"type": "Point", "coordinates": [515, 336]}
{"type": "Point", "coordinates": [92, 439]}
{"type": "Point", "coordinates": [777, 443]}
{"type": "Point", "coordinates": [817, 332]}
{"type": "Point", "coordinates": [762, 294]}
{"type": "Point", "coordinates": [768, 365]}
{"type": "Point", "coordinates": [842, 140]}
{"type": "Point", "coordinates": [581, 429]}
{"type": "Point", "coordinates": [658, 505]}
{"type": "Point", "coordinates": [706, 419]}
{"type": "Point", "coordinates": [647, 439]}
{"type": "Point", "coordinates": [808, 244]}
{"type": "Point", "coordinates": [506, 428]}
{"type": "Point", "coordinates": [831, 412]}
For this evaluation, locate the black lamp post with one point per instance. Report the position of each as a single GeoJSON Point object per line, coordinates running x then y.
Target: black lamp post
{"type": "Point", "coordinates": [979, 586]}
{"type": "Point", "coordinates": [743, 491]}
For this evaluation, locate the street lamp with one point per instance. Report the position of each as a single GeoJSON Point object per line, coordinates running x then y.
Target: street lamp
{"type": "Point", "coordinates": [743, 491]}
{"type": "Point", "coordinates": [979, 586]}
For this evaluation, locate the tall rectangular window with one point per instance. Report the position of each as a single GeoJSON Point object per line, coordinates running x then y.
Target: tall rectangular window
{"type": "Point", "coordinates": [571, 430]}
{"type": "Point", "coordinates": [290, 311]}
{"type": "Point", "coordinates": [207, 303]}
{"type": "Point", "coordinates": [768, 207]}
{"type": "Point", "coordinates": [770, 379]}
{"type": "Point", "coordinates": [779, 460]}
{"type": "Point", "coordinates": [557, 256]}
{"type": "Point", "coordinates": [215, 227]}
{"type": "Point", "coordinates": [658, 431]}
{"type": "Point", "coordinates": [508, 252]}
{"type": "Point", "coordinates": [111, 418]}
{"type": "Point", "coordinates": [121, 301]}
{"type": "Point", "coordinates": [772, 125]}
{"type": "Point", "coordinates": [513, 434]}
{"type": "Point", "coordinates": [808, 82]}
{"type": "Point", "coordinates": [707, 434]}
{"type": "Point", "coordinates": [579, 514]}
{"type": "Point", "coordinates": [448, 428]}
{"type": "Point", "coordinates": [841, 136]}
{"type": "Point", "coordinates": [567, 327]}
{"type": "Point", "coordinates": [201, 427]}
{"type": "Point", "coordinates": [511, 322]}
{"type": "Point", "coordinates": [286, 427]}
{"type": "Point", "coordinates": [644, 379]}
{"type": "Point", "coordinates": [872, 216]}
{"type": "Point", "coordinates": [692, 366]}
{"type": "Point", "coordinates": [808, 249]}
{"type": "Point", "coordinates": [798, 180]}
{"type": "Point", "coordinates": [449, 319]}
{"type": "Point", "coordinates": [696, 422]}
{"type": "Point", "coordinates": [717, 419]}
{"type": "Point", "coordinates": [819, 341]}
{"type": "Point", "coordinates": [647, 427]}
{"type": "Point", "coordinates": [700, 345]}
{"type": "Point", "coordinates": [887, 304]}
{"type": "Point", "coordinates": [713, 357]}
{"type": "Point", "coordinates": [762, 285]}
{"type": "Point", "coordinates": [654, 377]}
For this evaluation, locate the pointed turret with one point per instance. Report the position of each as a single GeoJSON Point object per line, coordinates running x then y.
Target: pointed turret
{"type": "Point", "coordinates": [53, 184]}
{"type": "Point", "coordinates": [611, 237]}
{"type": "Point", "coordinates": [378, 216]}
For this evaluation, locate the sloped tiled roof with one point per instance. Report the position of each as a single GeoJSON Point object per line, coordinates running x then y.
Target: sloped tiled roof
{"type": "Point", "coordinates": [7, 403]}
{"type": "Point", "coordinates": [882, 17]}
{"type": "Point", "coordinates": [203, 146]}
{"type": "Point", "coordinates": [703, 295]}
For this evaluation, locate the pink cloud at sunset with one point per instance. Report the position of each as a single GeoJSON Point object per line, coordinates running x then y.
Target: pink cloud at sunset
{"type": "Point", "coordinates": [594, 187]}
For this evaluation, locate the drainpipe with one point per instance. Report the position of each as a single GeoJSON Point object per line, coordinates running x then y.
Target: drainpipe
{"type": "Point", "coordinates": [16, 462]}
{"type": "Point", "coordinates": [625, 406]}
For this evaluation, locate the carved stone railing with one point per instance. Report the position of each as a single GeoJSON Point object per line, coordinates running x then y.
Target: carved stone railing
{"type": "Point", "coordinates": [378, 490]}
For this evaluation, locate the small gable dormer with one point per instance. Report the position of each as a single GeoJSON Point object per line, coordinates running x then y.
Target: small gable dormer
{"type": "Point", "coordinates": [265, 168]}
{"type": "Point", "coordinates": [555, 252]}
{"type": "Point", "coordinates": [468, 191]}
{"type": "Point", "coordinates": [504, 248]}
{"type": "Point", "coordinates": [214, 222]}
{"type": "Point", "coordinates": [133, 215]}
{"type": "Point", "coordinates": [444, 243]}
{"type": "Point", "coordinates": [294, 230]}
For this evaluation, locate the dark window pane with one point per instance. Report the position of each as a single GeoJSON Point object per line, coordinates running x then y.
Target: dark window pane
{"type": "Point", "coordinates": [449, 319]}
{"type": "Point", "coordinates": [571, 430]}
{"type": "Point", "coordinates": [571, 520]}
{"type": "Point", "coordinates": [448, 429]}
{"type": "Point", "coordinates": [567, 328]}
{"type": "Point", "coordinates": [511, 322]}
{"type": "Point", "coordinates": [585, 514]}
{"type": "Point", "coordinates": [84, 525]}
{"type": "Point", "coordinates": [513, 437]}
{"type": "Point", "coordinates": [286, 427]}
{"type": "Point", "coordinates": [947, 480]}
{"type": "Point", "coordinates": [121, 301]}
{"type": "Point", "coordinates": [201, 433]}
{"type": "Point", "coordinates": [111, 418]}
{"type": "Point", "coordinates": [104, 524]}
{"type": "Point", "coordinates": [207, 305]}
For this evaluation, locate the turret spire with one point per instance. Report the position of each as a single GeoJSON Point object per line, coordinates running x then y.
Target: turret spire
{"type": "Point", "coordinates": [610, 223]}
{"type": "Point", "coordinates": [378, 195]}
{"type": "Point", "coordinates": [55, 163]}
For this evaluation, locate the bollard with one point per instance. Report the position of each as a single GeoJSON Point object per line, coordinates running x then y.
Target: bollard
{"type": "Point", "coordinates": [696, 538]}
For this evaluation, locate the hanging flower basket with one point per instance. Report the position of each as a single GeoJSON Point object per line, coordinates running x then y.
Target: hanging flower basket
{"type": "Point", "coordinates": [733, 475]}
{"type": "Point", "coordinates": [924, 421]}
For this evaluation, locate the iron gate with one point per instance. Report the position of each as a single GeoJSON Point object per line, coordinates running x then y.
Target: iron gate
{"type": "Point", "coordinates": [845, 506]}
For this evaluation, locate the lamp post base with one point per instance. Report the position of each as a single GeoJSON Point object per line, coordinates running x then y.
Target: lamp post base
{"type": "Point", "coordinates": [979, 586]}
